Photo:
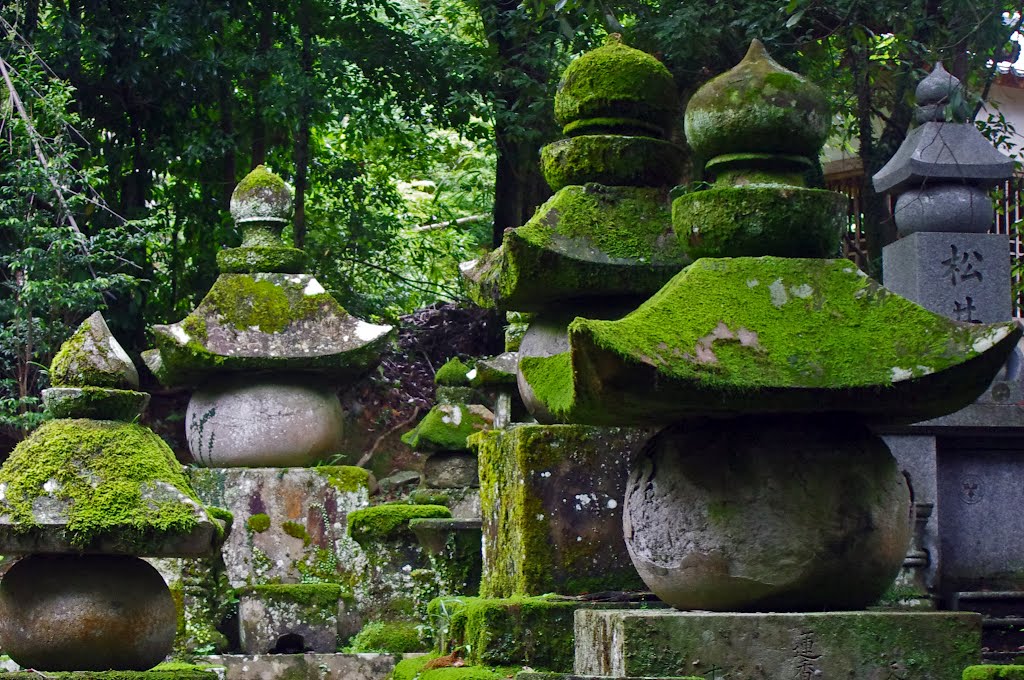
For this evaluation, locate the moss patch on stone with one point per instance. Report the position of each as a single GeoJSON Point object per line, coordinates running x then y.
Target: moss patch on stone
{"type": "Point", "coordinates": [245, 301]}
{"type": "Point", "coordinates": [532, 631]}
{"type": "Point", "coordinates": [748, 221]}
{"type": "Point", "coordinates": [453, 373]}
{"type": "Point", "coordinates": [585, 241]}
{"type": "Point", "coordinates": [994, 672]}
{"type": "Point", "coordinates": [345, 478]}
{"type": "Point", "coordinates": [768, 335]}
{"type": "Point", "coordinates": [614, 160]}
{"type": "Point", "coordinates": [112, 481]}
{"type": "Point", "coordinates": [313, 595]}
{"type": "Point", "coordinates": [91, 357]}
{"type": "Point", "coordinates": [101, 403]}
{"type": "Point", "coordinates": [385, 521]}
{"type": "Point", "coordinates": [617, 81]}
{"type": "Point", "coordinates": [416, 669]}
{"type": "Point", "coordinates": [261, 259]}
{"type": "Point", "coordinates": [445, 428]}
{"type": "Point", "coordinates": [258, 523]}
{"type": "Point", "coordinates": [296, 530]}
{"type": "Point", "coordinates": [395, 637]}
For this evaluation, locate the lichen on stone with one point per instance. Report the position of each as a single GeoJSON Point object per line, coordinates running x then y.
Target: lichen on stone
{"type": "Point", "coordinates": [250, 260]}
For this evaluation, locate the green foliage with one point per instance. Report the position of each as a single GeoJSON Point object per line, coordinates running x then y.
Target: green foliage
{"type": "Point", "coordinates": [396, 637]}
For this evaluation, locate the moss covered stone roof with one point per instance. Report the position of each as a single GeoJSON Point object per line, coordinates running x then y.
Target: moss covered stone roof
{"type": "Point", "coordinates": [100, 486]}
{"type": "Point", "coordinates": [585, 241]}
{"type": "Point", "coordinates": [265, 321]}
{"type": "Point", "coordinates": [766, 335]}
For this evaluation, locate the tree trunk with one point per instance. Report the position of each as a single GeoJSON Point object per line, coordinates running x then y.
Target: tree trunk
{"type": "Point", "coordinates": [302, 138]}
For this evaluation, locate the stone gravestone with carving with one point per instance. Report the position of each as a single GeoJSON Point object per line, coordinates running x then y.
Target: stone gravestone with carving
{"type": "Point", "coordinates": [765, 494]}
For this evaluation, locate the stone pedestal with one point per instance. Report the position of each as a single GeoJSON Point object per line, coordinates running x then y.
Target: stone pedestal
{"type": "Point", "coordinates": [304, 666]}
{"type": "Point", "coordinates": [727, 646]}
{"type": "Point", "coordinates": [965, 277]}
{"type": "Point", "coordinates": [552, 509]}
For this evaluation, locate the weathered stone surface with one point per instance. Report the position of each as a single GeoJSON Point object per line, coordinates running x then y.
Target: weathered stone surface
{"type": "Point", "coordinates": [965, 277]}
{"type": "Point", "coordinates": [590, 241]}
{"type": "Point", "coordinates": [525, 675]}
{"type": "Point", "coordinates": [757, 106]}
{"type": "Point", "coordinates": [496, 370]}
{"type": "Point", "coordinates": [451, 470]}
{"type": "Point", "coordinates": [265, 321]}
{"type": "Point", "coordinates": [270, 423]}
{"type": "Point", "coordinates": [551, 498]}
{"type": "Point", "coordinates": [289, 523]}
{"type": "Point", "coordinates": [944, 207]}
{"type": "Point", "coordinates": [533, 631]}
{"type": "Point", "coordinates": [932, 152]}
{"type": "Point", "coordinates": [261, 197]}
{"type": "Point", "coordinates": [305, 666]}
{"type": "Point", "coordinates": [100, 486]}
{"type": "Point", "coordinates": [612, 160]}
{"type": "Point", "coordinates": [855, 645]}
{"type": "Point", "coordinates": [767, 514]}
{"type": "Point", "coordinates": [295, 618]}
{"type": "Point", "coordinates": [454, 549]}
{"type": "Point", "coordinates": [100, 403]}
{"type": "Point", "coordinates": [93, 358]}
{"type": "Point", "coordinates": [62, 613]}
{"type": "Point", "coordinates": [769, 335]}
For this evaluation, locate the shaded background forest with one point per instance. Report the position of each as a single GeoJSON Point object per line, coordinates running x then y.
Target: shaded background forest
{"type": "Point", "coordinates": [409, 130]}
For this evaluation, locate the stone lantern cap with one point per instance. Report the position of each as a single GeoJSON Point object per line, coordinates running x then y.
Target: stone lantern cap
{"type": "Point", "coordinates": [94, 480]}
{"type": "Point", "coordinates": [769, 335]}
{"type": "Point", "coordinates": [940, 151]}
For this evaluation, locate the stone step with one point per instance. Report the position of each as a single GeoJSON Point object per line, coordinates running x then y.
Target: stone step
{"type": "Point", "coordinates": [1002, 638]}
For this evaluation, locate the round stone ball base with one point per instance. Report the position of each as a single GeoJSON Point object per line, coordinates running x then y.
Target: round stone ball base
{"type": "Point", "coordinates": [767, 514]}
{"type": "Point", "coordinates": [263, 422]}
{"type": "Point", "coordinates": [86, 612]}
{"type": "Point", "coordinates": [944, 207]}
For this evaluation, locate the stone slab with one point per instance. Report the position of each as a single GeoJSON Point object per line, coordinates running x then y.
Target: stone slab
{"type": "Point", "coordinates": [965, 277]}
{"type": "Point", "coordinates": [981, 526]}
{"type": "Point", "coordinates": [305, 666]}
{"type": "Point", "coordinates": [551, 498]}
{"type": "Point", "coordinates": [733, 646]}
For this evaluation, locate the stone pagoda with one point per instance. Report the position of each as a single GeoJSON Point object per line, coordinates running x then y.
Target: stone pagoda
{"type": "Point", "coordinates": [551, 494]}
{"type": "Point", "coordinates": [81, 500]}
{"type": "Point", "coordinates": [765, 365]}
{"type": "Point", "coordinates": [266, 349]}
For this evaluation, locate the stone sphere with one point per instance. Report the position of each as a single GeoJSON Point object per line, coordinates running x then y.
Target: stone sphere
{"type": "Point", "coordinates": [946, 208]}
{"type": "Point", "coordinates": [283, 423]}
{"type": "Point", "coordinates": [616, 89]}
{"type": "Point", "coordinates": [757, 107]}
{"type": "Point", "coordinates": [767, 514]}
{"type": "Point", "coordinates": [89, 613]}
{"type": "Point", "coordinates": [261, 196]}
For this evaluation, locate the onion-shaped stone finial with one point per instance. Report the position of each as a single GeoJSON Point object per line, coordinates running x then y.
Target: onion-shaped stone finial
{"type": "Point", "coordinates": [261, 196]}
{"type": "Point", "coordinates": [616, 89]}
{"type": "Point", "coordinates": [757, 107]}
{"type": "Point", "coordinates": [935, 93]}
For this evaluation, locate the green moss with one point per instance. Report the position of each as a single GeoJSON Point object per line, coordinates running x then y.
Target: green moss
{"type": "Point", "coordinates": [413, 669]}
{"type": "Point", "coordinates": [113, 478]}
{"type": "Point", "coordinates": [101, 403]}
{"type": "Point", "coordinates": [254, 259]}
{"type": "Point", "coordinates": [992, 672]}
{"type": "Point", "coordinates": [345, 478]}
{"type": "Point", "coordinates": [757, 106]}
{"type": "Point", "coordinates": [619, 82]}
{"type": "Point", "coordinates": [453, 373]}
{"type": "Point", "coordinates": [396, 637]}
{"type": "Point", "coordinates": [429, 497]}
{"type": "Point", "coordinates": [319, 566]}
{"type": "Point", "coordinates": [745, 333]}
{"type": "Point", "coordinates": [71, 367]}
{"type": "Point", "coordinates": [296, 530]}
{"type": "Point", "coordinates": [532, 631]}
{"type": "Point", "coordinates": [445, 428]}
{"type": "Point", "coordinates": [259, 178]}
{"type": "Point", "coordinates": [748, 221]}
{"type": "Point", "coordinates": [384, 521]}
{"type": "Point", "coordinates": [321, 596]}
{"type": "Point", "coordinates": [258, 523]}
{"type": "Point", "coordinates": [222, 515]}
{"type": "Point", "coordinates": [243, 301]}
{"type": "Point", "coordinates": [615, 160]}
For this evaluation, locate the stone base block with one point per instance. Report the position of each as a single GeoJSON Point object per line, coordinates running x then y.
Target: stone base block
{"type": "Point", "coordinates": [305, 666]}
{"type": "Point", "coordinates": [522, 631]}
{"type": "Point", "coordinates": [552, 509]}
{"type": "Point", "coordinates": [294, 619]}
{"type": "Point", "coordinates": [729, 646]}
{"type": "Point", "coordinates": [965, 277]}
